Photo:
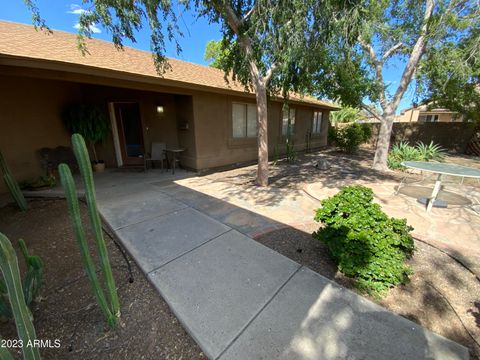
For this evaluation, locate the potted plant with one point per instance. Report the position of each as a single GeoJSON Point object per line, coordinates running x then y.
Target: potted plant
{"type": "Point", "coordinates": [89, 121]}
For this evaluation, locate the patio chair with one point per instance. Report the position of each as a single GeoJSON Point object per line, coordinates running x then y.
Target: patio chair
{"type": "Point", "coordinates": [157, 154]}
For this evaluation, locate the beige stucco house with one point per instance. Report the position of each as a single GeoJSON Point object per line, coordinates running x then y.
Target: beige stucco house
{"type": "Point", "coordinates": [424, 113]}
{"type": "Point", "coordinates": [190, 106]}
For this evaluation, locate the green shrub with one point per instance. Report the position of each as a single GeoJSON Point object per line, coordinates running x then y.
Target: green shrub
{"type": "Point", "coordinates": [366, 243]}
{"type": "Point", "coordinates": [350, 137]}
{"type": "Point", "coordinates": [420, 152]}
{"type": "Point", "coordinates": [430, 152]}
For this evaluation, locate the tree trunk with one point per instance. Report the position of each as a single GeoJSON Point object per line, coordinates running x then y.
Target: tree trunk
{"type": "Point", "coordinates": [383, 142]}
{"type": "Point", "coordinates": [262, 133]}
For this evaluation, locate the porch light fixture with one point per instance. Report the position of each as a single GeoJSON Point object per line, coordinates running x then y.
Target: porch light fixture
{"type": "Point", "coordinates": [159, 109]}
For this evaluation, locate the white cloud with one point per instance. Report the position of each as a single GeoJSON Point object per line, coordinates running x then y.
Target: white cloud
{"type": "Point", "coordinates": [76, 9]}
{"type": "Point", "coordinates": [93, 28]}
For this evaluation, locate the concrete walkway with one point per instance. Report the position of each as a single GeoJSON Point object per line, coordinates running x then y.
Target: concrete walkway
{"type": "Point", "coordinates": [241, 300]}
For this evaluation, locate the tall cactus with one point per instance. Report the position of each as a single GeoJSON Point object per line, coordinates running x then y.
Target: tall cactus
{"type": "Point", "coordinates": [31, 284]}
{"type": "Point", "coordinates": [111, 309]}
{"type": "Point", "coordinates": [12, 185]}
{"type": "Point", "coordinates": [21, 313]}
{"type": "Point", "coordinates": [34, 276]}
{"type": "Point", "coordinates": [4, 353]}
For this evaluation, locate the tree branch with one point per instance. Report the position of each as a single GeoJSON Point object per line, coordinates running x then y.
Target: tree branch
{"type": "Point", "coordinates": [269, 73]}
{"type": "Point", "coordinates": [390, 51]}
{"type": "Point", "coordinates": [415, 56]}
{"type": "Point", "coordinates": [373, 113]}
{"type": "Point", "coordinates": [378, 70]}
{"type": "Point", "coordinates": [248, 14]}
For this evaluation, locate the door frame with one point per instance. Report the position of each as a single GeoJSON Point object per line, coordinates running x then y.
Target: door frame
{"type": "Point", "coordinates": [116, 131]}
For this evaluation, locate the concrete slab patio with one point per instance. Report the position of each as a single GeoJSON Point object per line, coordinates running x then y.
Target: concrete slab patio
{"type": "Point", "coordinates": [241, 300]}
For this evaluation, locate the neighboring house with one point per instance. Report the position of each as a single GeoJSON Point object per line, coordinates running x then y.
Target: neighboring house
{"type": "Point", "coordinates": [190, 106]}
{"type": "Point", "coordinates": [424, 113]}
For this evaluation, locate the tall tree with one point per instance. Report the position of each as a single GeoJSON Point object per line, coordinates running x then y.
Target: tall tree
{"type": "Point", "coordinates": [263, 45]}
{"type": "Point", "coordinates": [263, 40]}
{"type": "Point", "coordinates": [449, 76]}
{"type": "Point", "coordinates": [395, 33]}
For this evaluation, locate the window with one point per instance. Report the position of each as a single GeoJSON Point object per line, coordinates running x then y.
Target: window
{"type": "Point", "coordinates": [288, 121]}
{"type": "Point", "coordinates": [317, 122]}
{"type": "Point", "coordinates": [244, 120]}
{"type": "Point", "coordinates": [428, 118]}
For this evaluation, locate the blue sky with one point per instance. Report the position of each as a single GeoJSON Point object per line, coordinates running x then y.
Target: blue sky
{"type": "Point", "coordinates": [63, 15]}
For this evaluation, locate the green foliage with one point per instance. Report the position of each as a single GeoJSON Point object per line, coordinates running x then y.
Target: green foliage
{"type": "Point", "coordinates": [449, 76]}
{"type": "Point", "coordinates": [34, 277]}
{"type": "Point", "coordinates": [366, 244]}
{"type": "Point", "coordinates": [430, 152]}
{"type": "Point", "coordinates": [290, 152]}
{"type": "Point", "coordinates": [88, 121]}
{"type": "Point", "coordinates": [31, 283]}
{"type": "Point", "coordinates": [420, 152]}
{"type": "Point", "coordinates": [346, 114]}
{"type": "Point", "coordinates": [350, 137]}
{"type": "Point", "coordinates": [44, 181]}
{"type": "Point", "coordinates": [216, 53]}
{"type": "Point", "coordinates": [21, 313]}
{"type": "Point", "coordinates": [12, 185]}
{"type": "Point", "coordinates": [110, 308]}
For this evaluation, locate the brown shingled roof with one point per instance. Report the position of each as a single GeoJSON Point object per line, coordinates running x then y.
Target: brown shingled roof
{"type": "Point", "coordinates": [23, 41]}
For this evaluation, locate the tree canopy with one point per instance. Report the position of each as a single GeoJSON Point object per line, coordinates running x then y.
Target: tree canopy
{"type": "Point", "coordinates": [346, 114]}
{"type": "Point", "coordinates": [449, 76]}
{"type": "Point", "coordinates": [399, 34]}
{"type": "Point", "coordinates": [263, 47]}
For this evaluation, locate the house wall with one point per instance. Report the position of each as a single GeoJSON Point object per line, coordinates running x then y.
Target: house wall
{"type": "Point", "coordinates": [199, 121]}
{"type": "Point", "coordinates": [442, 117]}
{"type": "Point", "coordinates": [213, 131]}
{"type": "Point", "coordinates": [412, 115]}
{"type": "Point", "coordinates": [157, 127]}
{"type": "Point", "coordinates": [30, 119]}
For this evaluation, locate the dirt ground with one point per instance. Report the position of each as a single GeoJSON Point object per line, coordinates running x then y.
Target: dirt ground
{"type": "Point", "coordinates": [67, 309]}
{"type": "Point", "coordinates": [442, 296]}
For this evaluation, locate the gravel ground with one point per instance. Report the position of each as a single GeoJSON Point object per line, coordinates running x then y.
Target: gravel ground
{"type": "Point", "coordinates": [442, 295]}
{"type": "Point", "coordinates": [67, 309]}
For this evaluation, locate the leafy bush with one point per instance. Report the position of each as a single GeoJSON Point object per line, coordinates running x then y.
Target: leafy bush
{"type": "Point", "coordinates": [430, 152]}
{"type": "Point", "coordinates": [420, 152]}
{"type": "Point", "coordinates": [366, 243]}
{"type": "Point", "coordinates": [290, 152]}
{"type": "Point", "coordinates": [346, 114]}
{"type": "Point", "coordinates": [89, 121]}
{"type": "Point", "coordinates": [349, 138]}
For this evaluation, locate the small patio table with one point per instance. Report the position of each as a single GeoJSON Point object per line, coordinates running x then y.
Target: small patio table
{"type": "Point", "coordinates": [441, 169]}
{"type": "Point", "coordinates": [174, 153]}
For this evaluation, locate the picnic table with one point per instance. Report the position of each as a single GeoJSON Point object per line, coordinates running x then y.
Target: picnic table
{"type": "Point", "coordinates": [441, 169]}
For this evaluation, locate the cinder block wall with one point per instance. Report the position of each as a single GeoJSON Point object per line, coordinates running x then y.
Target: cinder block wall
{"type": "Point", "coordinates": [450, 136]}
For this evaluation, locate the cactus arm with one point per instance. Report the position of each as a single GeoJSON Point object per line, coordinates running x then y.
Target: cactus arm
{"type": "Point", "coordinates": [22, 315]}
{"type": "Point", "coordinates": [4, 353]}
{"type": "Point", "coordinates": [34, 277]}
{"type": "Point", "coordinates": [12, 185]}
{"type": "Point", "coordinates": [81, 153]}
{"type": "Point", "coordinates": [74, 211]}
